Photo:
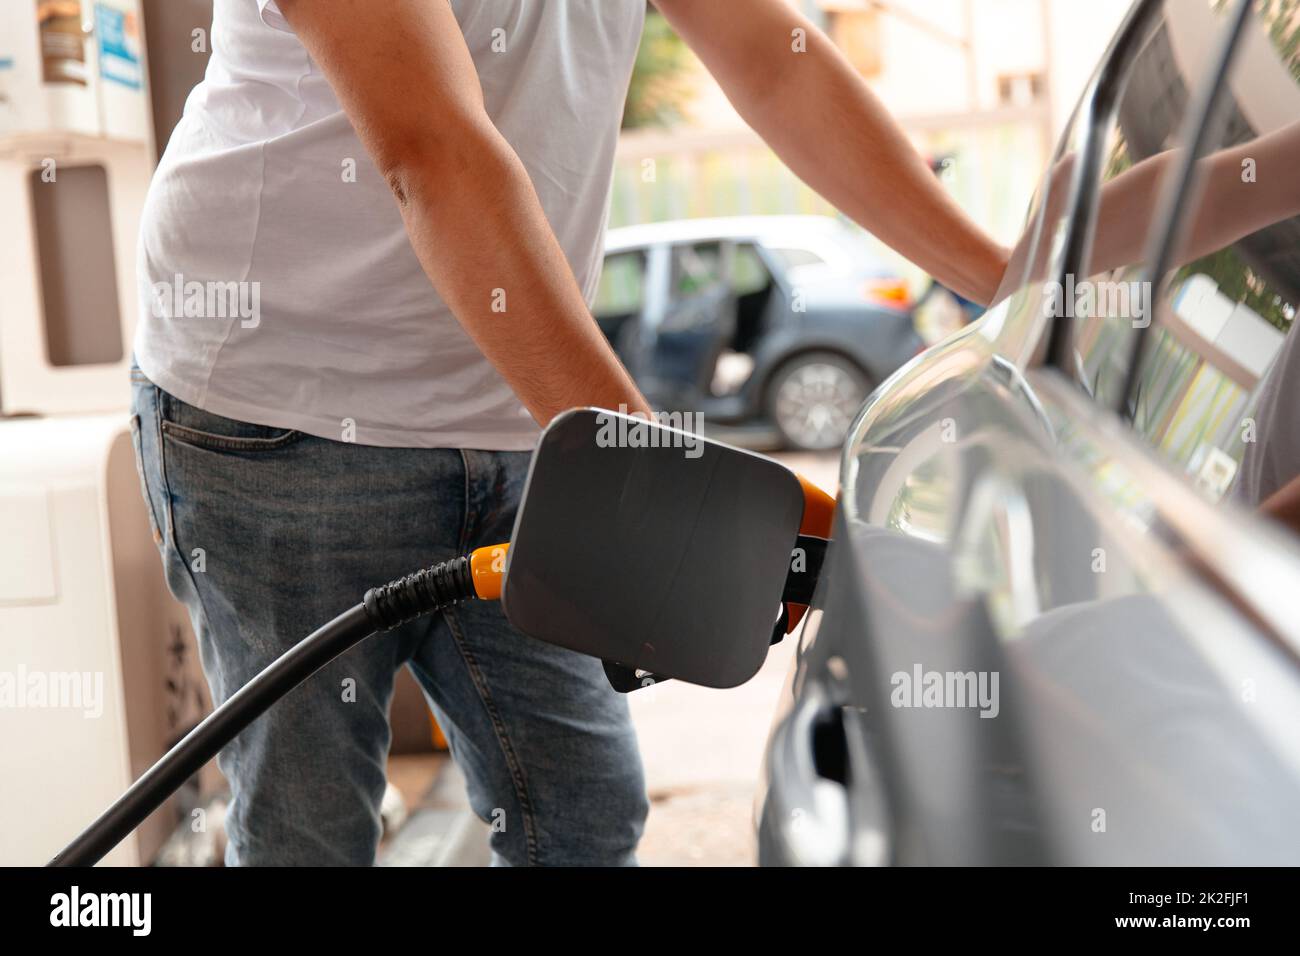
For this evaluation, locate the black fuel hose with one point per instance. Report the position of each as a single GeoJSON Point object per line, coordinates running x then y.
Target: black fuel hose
{"type": "Point", "coordinates": [382, 609]}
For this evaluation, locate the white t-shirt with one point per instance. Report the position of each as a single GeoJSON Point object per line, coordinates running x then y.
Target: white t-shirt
{"type": "Point", "coordinates": [277, 283]}
{"type": "Point", "coordinates": [1272, 460]}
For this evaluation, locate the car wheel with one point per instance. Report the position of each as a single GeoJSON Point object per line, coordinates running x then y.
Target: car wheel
{"type": "Point", "coordinates": [813, 398]}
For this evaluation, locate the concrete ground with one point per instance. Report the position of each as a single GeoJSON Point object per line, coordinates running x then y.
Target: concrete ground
{"type": "Point", "coordinates": [439, 829]}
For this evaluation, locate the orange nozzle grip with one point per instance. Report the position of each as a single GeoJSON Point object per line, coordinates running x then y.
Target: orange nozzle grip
{"type": "Point", "coordinates": [818, 515]}
{"type": "Point", "coordinates": [487, 568]}
{"type": "Point", "coordinates": [818, 510]}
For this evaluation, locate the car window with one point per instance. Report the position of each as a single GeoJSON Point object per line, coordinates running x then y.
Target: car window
{"type": "Point", "coordinates": [1218, 378]}
{"type": "Point", "coordinates": [697, 267]}
{"type": "Point", "coordinates": [792, 258]}
{"type": "Point", "coordinates": [748, 272]}
{"type": "Point", "coordinates": [622, 285]}
{"type": "Point", "coordinates": [1036, 309]}
{"type": "Point", "coordinates": [1106, 299]}
{"type": "Point", "coordinates": [1208, 331]}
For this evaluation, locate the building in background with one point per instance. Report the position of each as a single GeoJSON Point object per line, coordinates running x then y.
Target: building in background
{"type": "Point", "coordinates": [984, 87]}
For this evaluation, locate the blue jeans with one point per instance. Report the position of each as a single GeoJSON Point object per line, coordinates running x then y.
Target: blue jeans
{"type": "Point", "coordinates": [266, 534]}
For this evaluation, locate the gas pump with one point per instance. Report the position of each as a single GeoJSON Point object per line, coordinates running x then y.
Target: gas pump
{"type": "Point", "coordinates": [85, 621]}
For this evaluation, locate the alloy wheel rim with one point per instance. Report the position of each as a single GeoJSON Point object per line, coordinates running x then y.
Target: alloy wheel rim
{"type": "Point", "coordinates": [816, 403]}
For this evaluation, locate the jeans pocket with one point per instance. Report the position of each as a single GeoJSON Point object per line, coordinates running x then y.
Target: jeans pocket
{"type": "Point", "coordinates": [189, 425]}
{"type": "Point", "coordinates": [138, 446]}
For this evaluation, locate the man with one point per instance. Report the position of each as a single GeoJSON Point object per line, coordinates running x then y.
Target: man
{"type": "Point", "coordinates": [410, 199]}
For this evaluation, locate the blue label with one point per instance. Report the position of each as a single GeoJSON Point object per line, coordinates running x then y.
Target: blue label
{"type": "Point", "coordinates": [119, 50]}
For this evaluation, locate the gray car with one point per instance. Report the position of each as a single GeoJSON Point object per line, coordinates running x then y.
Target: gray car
{"type": "Point", "coordinates": [787, 320]}
{"type": "Point", "coordinates": [1058, 618]}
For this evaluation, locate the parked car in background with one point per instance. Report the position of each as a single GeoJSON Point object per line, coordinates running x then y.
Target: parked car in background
{"type": "Point", "coordinates": [786, 319]}
{"type": "Point", "coordinates": [1057, 620]}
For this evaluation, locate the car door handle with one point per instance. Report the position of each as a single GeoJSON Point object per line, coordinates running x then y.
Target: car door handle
{"type": "Point", "coordinates": [816, 768]}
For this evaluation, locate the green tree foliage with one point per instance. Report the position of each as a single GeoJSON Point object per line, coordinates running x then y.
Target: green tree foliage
{"type": "Point", "coordinates": [1240, 283]}
{"type": "Point", "coordinates": [660, 86]}
{"type": "Point", "coordinates": [1283, 19]}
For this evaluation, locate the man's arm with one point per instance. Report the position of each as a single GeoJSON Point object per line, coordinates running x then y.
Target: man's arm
{"type": "Point", "coordinates": [819, 116]}
{"type": "Point", "coordinates": [404, 77]}
{"type": "Point", "coordinates": [1227, 209]}
{"type": "Point", "coordinates": [1283, 505]}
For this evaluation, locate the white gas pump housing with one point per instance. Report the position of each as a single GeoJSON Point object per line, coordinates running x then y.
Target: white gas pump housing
{"type": "Point", "coordinates": [76, 153]}
{"type": "Point", "coordinates": [89, 638]}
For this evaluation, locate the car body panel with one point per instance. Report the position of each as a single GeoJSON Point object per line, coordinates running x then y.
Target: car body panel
{"type": "Point", "coordinates": [1120, 692]}
{"type": "Point", "coordinates": [998, 519]}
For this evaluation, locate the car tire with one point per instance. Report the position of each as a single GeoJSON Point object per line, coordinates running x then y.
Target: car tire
{"type": "Point", "coordinates": [813, 398]}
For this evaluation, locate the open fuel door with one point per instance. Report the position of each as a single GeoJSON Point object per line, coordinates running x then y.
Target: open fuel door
{"type": "Point", "coordinates": [663, 553]}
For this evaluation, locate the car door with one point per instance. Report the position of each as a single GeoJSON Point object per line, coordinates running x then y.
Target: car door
{"type": "Point", "coordinates": [682, 343]}
{"type": "Point", "coordinates": [622, 297]}
{"type": "Point", "coordinates": [1055, 624]}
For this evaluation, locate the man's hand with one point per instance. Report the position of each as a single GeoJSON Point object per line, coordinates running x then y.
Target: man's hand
{"type": "Point", "coordinates": [405, 79]}
{"type": "Point", "coordinates": [819, 116]}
